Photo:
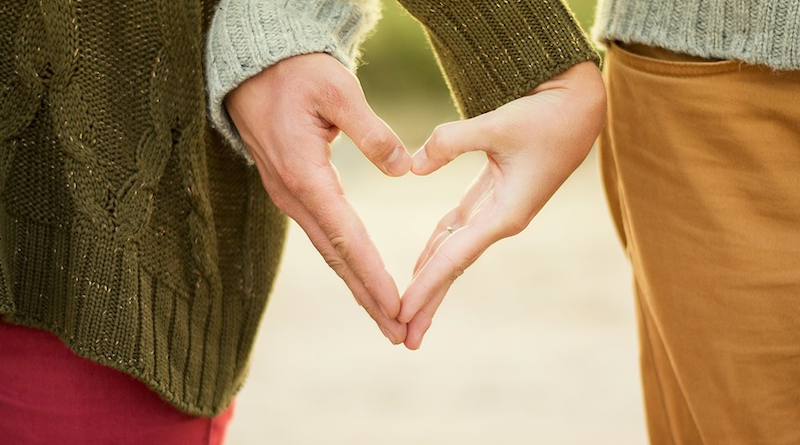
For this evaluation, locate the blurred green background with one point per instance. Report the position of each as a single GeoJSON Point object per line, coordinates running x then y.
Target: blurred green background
{"type": "Point", "coordinates": [401, 79]}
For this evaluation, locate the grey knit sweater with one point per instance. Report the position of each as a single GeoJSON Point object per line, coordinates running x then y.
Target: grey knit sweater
{"type": "Point", "coordinates": [490, 52]}
{"type": "Point", "coordinates": [247, 36]}
{"type": "Point", "coordinates": [765, 32]}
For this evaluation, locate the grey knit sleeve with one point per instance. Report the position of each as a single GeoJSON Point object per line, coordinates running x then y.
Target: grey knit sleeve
{"type": "Point", "coordinates": [248, 36]}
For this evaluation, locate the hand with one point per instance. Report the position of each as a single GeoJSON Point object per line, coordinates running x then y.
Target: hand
{"type": "Point", "coordinates": [287, 117]}
{"type": "Point", "coordinates": [532, 145]}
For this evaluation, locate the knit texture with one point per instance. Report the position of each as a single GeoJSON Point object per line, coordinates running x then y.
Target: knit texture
{"type": "Point", "coordinates": [247, 36]}
{"type": "Point", "coordinates": [493, 52]}
{"type": "Point", "coordinates": [763, 32]}
{"type": "Point", "coordinates": [126, 227]}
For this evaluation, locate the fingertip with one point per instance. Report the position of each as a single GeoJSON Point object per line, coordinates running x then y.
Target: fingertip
{"type": "Point", "coordinates": [395, 334]}
{"type": "Point", "coordinates": [416, 331]}
{"type": "Point", "coordinates": [409, 306]}
{"type": "Point", "coordinates": [398, 339]}
{"type": "Point", "coordinates": [382, 290]}
{"type": "Point", "coordinates": [392, 305]}
{"type": "Point", "coordinates": [404, 318]}
{"type": "Point", "coordinates": [420, 162]}
{"type": "Point", "coordinates": [399, 162]}
{"type": "Point", "coordinates": [411, 346]}
{"type": "Point", "coordinates": [413, 341]}
{"type": "Point", "coordinates": [395, 340]}
{"type": "Point", "coordinates": [392, 312]}
{"type": "Point", "coordinates": [400, 334]}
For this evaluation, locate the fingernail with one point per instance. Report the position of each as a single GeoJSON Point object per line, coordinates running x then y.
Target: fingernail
{"type": "Point", "coordinates": [420, 158]}
{"type": "Point", "coordinates": [399, 162]}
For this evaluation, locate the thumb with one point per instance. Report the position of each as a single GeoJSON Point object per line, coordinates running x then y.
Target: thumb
{"type": "Point", "coordinates": [449, 141]}
{"type": "Point", "coordinates": [351, 113]}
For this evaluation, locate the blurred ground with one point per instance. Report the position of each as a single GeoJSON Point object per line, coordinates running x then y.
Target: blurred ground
{"type": "Point", "coordinates": [535, 343]}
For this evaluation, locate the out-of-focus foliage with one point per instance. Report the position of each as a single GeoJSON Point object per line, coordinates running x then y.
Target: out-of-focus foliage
{"type": "Point", "coordinates": [584, 11]}
{"type": "Point", "coordinates": [398, 64]}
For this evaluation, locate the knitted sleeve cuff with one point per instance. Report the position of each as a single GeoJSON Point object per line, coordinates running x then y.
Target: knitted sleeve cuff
{"type": "Point", "coordinates": [495, 51]}
{"type": "Point", "coordinates": [248, 36]}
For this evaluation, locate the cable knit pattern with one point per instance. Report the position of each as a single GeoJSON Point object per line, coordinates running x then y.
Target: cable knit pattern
{"type": "Point", "coordinates": [764, 32]}
{"type": "Point", "coordinates": [127, 228]}
{"type": "Point", "coordinates": [247, 36]}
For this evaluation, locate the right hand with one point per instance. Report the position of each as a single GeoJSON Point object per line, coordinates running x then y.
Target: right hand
{"type": "Point", "coordinates": [532, 145]}
{"type": "Point", "coordinates": [287, 116]}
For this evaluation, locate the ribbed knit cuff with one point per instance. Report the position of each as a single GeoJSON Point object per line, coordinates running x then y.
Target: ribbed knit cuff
{"type": "Point", "coordinates": [759, 33]}
{"type": "Point", "coordinates": [493, 52]}
{"type": "Point", "coordinates": [248, 36]}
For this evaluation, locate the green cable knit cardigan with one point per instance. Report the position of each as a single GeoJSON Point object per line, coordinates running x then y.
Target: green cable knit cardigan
{"type": "Point", "coordinates": [127, 228]}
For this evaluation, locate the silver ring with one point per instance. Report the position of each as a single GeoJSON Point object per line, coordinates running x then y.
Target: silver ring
{"type": "Point", "coordinates": [450, 229]}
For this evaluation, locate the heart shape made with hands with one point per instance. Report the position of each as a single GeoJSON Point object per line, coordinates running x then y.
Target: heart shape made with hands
{"type": "Point", "coordinates": [402, 214]}
{"type": "Point", "coordinates": [288, 115]}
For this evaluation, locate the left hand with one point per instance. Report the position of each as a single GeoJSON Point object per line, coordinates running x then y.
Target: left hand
{"type": "Point", "coordinates": [532, 145]}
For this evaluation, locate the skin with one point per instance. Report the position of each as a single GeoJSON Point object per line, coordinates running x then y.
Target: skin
{"type": "Point", "coordinates": [287, 117]}
{"type": "Point", "coordinates": [532, 145]}
{"type": "Point", "coordinates": [289, 114]}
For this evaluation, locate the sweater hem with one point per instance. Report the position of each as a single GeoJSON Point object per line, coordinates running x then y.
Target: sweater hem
{"type": "Point", "coordinates": [102, 302]}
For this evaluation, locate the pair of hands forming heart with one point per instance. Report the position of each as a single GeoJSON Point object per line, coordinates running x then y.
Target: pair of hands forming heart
{"type": "Point", "coordinates": [289, 114]}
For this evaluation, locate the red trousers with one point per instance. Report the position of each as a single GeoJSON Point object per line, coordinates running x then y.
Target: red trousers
{"type": "Point", "coordinates": [50, 395]}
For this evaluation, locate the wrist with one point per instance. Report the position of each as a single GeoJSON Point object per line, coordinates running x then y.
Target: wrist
{"type": "Point", "coordinates": [583, 83]}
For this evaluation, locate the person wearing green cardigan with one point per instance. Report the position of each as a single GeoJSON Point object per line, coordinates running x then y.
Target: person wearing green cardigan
{"type": "Point", "coordinates": [701, 164]}
{"type": "Point", "coordinates": [131, 232]}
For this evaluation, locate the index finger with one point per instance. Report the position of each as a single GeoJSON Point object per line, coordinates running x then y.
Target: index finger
{"type": "Point", "coordinates": [289, 203]}
{"type": "Point", "coordinates": [324, 199]}
{"type": "Point", "coordinates": [429, 287]}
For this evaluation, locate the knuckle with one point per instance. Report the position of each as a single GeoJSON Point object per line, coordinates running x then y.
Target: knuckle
{"type": "Point", "coordinates": [377, 142]}
{"type": "Point", "coordinates": [502, 132]}
{"type": "Point", "coordinates": [510, 226]}
{"type": "Point", "coordinates": [345, 257]}
{"type": "Point", "coordinates": [342, 248]}
{"type": "Point", "coordinates": [330, 94]}
{"type": "Point", "coordinates": [440, 138]}
{"type": "Point", "coordinates": [515, 226]}
{"type": "Point", "coordinates": [297, 187]}
{"type": "Point", "coordinates": [281, 201]}
{"type": "Point", "coordinates": [335, 90]}
{"type": "Point", "coordinates": [276, 191]}
{"type": "Point", "coordinates": [336, 263]}
{"type": "Point", "coordinates": [517, 219]}
{"type": "Point", "coordinates": [339, 244]}
{"type": "Point", "coordinates": [456, 268]}
{"type": "Point", "coordinates": [298, 184]}
{"type": "Point", "coordinates": [438, 147]}
{"type": "Point", "coordinates": [292, 182]}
